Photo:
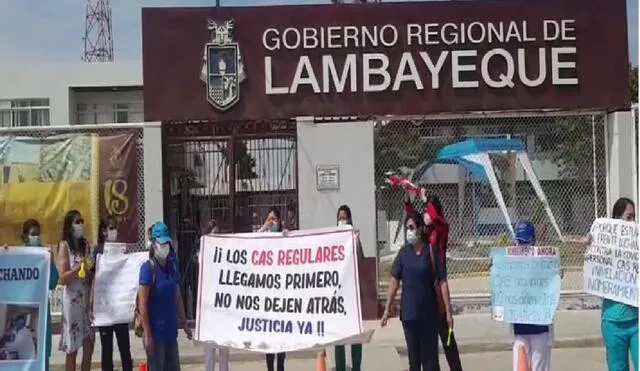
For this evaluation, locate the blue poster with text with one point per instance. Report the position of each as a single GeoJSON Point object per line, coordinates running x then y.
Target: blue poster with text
{"type": "Point", "coordinates": [525, 285]}
{"type": "Point", "coordinates": [24, 289]}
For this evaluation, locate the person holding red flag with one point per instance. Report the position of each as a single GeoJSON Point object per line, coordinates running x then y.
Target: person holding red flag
{"type": "Point", "coordinates": [438, 235]}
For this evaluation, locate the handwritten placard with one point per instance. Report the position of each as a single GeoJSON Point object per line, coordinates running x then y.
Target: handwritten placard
{"type": "Point", "coordinates": [268, 293]}
{"type": "Point", "coordinates": [611, 262]}
{"type": "Point", "coordinates": [525, 285]}
{"type": "Point", "coordinates": [116, 287]}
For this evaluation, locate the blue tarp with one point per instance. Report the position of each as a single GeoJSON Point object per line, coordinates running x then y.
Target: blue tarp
{"type": "Point", "coordinates": [454, 154]}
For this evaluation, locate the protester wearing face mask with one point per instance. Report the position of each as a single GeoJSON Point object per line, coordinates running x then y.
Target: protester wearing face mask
{"type": "Point", "coordinates": [21, 344]}
{"type": "Point", "coordinates": [121, 330]}
{"type": "Point", "coordinates": [423, 274]}
{"type": "Point", "coordinates": [620, 321]}
{"type": "Point", "coordinates": [273, 223]}
{"type": "Point", "coordinates": [31, 237]}
{"type": "Point", "coordinates": [437, 231]}
{"type": "Point", "coordinates": [74, 263]}
{"type": "Point", "coordinates": [160, 303]}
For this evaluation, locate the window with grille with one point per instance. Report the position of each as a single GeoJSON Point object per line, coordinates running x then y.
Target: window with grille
{"type": "Point", "coordinates": [24, 112]}
{"type": "Point", "coordinates": [121, 113]}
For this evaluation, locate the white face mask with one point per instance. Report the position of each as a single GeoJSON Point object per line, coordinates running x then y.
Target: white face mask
{"type": "Point", "coordinates": [149, 244]}
{"type": "Point", "coordinates": [412, 237]}
{"type": "Point", "coordinates": [342, 222]}
{"type": "Point", "coordinates": [162, 251]}
{"type": "Point", "coordinates": [78, 230]}
{"type": "Point", "coordinates": [33, 240]}
{"type": "Point", "coordinates": [427, 219]}
{"type": "Point", "coordinates": [112, 235]}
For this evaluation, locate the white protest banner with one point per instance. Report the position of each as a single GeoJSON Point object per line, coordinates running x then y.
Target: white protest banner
{"type": "Point", "coordinates": [268, 293]}
{"type": "Point", "coordinates": [611, 262]}
{"type": "Point", "coordinates": [116, 287]}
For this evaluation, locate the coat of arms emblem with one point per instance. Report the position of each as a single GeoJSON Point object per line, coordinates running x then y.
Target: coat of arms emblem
{"type": "Point", "coordinates": [222, 67]}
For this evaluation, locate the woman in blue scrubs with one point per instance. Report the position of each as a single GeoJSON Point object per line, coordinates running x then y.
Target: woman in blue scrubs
{"type": "Point", "coordinates": [421, 276]}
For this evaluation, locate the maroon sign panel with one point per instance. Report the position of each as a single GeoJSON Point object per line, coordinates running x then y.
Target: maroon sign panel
{"type": "Point", "coordinates": [389, 58]}
{"type": "Point", "coordinates": [119, 184]}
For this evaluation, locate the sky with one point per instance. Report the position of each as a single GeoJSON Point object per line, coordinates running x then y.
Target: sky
{"type": "Point", "coordinates": [52, 30]}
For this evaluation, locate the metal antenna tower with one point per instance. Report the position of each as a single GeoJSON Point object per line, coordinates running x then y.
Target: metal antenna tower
{"type": "Point", "coordinates": [98, 43]}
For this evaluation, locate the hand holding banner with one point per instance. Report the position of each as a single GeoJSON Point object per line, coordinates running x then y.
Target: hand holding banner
{"type": "Point", "coordinates": [611, 262]}
{"type": "Point", "coordinates": [269, 293]}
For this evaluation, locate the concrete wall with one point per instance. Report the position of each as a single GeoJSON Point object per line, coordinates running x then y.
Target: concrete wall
{"type": "Point", "coordinates": [621, 160]}
{"type": "Point", "coordinates": [53, 80]}
{"type": "Point", "coordinates": [349, 145]}
{"type": "Point", "coordinates": [153, 197]}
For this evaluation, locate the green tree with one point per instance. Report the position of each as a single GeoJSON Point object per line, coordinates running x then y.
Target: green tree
{"type": "Point", "coordinates": [575, 137]}
{"type": "Point", "coordinates": [399, 145]}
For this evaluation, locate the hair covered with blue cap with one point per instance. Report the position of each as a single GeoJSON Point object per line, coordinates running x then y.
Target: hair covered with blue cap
{"type": "Point", "coordinates": [525, 233]}
{"type": "Point", "coordinates": [160, 233]}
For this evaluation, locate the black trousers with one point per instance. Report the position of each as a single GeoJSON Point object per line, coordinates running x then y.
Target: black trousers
{"type": "Point", "coordinates": [422, 345]}
{"type": "Point", "coordinates": [451, 351]}
{"type": "Point", "coordinates": [122, 337]}
{"type": "Point", "coordinates": [271, 360]}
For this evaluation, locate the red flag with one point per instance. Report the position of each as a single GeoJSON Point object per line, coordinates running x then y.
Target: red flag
{"type": "Point", "coordinates": [404, 183]}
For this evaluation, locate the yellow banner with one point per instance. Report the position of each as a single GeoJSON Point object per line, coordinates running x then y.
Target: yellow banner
{"type": "Point", "coordinates": [47, 203]}
{"type": "Point", "coordinates": [43, 179]}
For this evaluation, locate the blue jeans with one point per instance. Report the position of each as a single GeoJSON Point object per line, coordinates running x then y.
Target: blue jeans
{"type": "Point", "coordinates": [620, 339]}
{"type": "Point", "coordinates": [165, 356]}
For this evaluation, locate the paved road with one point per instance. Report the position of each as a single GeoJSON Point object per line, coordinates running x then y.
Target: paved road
{"type": "Point", "coordinates": [583, 359]}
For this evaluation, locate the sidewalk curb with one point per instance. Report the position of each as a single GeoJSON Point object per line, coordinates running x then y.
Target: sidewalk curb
{"type": "Point", "coordinates": [464, 348]}
{"type": "Point", "coordinates": [507, 346]}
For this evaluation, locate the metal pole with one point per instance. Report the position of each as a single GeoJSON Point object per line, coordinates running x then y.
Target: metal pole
{"type": "Point", "coordinates": [217, 3]}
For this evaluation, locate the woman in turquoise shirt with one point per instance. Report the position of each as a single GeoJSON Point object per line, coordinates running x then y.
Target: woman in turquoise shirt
{"type": "Point", "coordinates": [31, 237]}
{"type": "Point", "coordinates": [620, 321]}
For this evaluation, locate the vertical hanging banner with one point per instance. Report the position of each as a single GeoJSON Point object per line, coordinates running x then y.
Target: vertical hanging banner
{"type": "Point", "coordinates": [611, 263]}
{"type": "Point", "coordinates": [118, 169]}
{"type": "Point", "coordinates": [24, 286]}
{"type": "Point", "coordinates": [45, 177]}
{"type": "Point", "coordinates": [268, 293]}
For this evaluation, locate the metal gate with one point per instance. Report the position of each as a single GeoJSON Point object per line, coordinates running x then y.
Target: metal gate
{"type": "Point", "coordinates": [232, 172]}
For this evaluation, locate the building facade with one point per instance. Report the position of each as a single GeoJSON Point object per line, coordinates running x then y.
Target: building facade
{"type": "Point", "coordinates": [58, 94]}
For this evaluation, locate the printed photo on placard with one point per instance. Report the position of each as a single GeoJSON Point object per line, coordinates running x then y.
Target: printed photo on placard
{"type": "Point", "coordinates": [19, 341]}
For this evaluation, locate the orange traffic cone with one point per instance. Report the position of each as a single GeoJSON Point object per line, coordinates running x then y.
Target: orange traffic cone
{"type": "Point", "coordinates": [523, 359]}
{"type": "Point", "coordinates": [321, 361]}
{"type": "Point", "coordinates": [143, 367]}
